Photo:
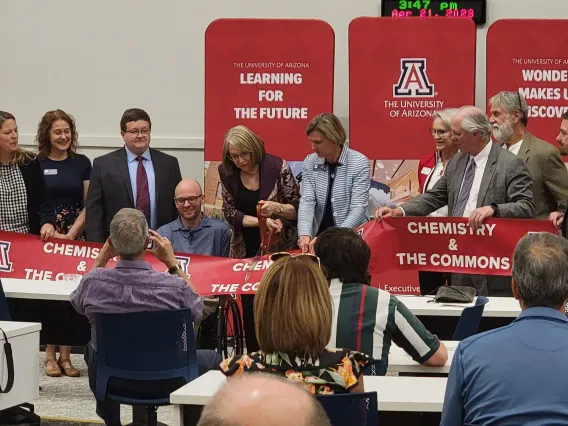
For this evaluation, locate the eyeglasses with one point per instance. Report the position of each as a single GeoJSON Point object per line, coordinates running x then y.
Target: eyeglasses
{"type": "Point", "coordinates": [192, 200]}
{"type": "Point", "coordinates": [242, 155]}
{"type": "Point", "coordinates": [142, 132]}
{"type": "Point", "coordinates": [441, 133]}
{"type": "Point", "coordinates": [281, 255]}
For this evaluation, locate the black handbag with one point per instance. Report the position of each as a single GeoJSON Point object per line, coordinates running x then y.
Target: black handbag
{"type": "Point", "coordinates": [455, 294]}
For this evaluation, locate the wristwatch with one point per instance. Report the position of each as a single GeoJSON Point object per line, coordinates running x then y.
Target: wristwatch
{"type": "Point", "coordinates": [495, 208]}
{"type": "Point", "coordinates": [281, 207]}
{"type": "Point", "coordinates": [173, 270]}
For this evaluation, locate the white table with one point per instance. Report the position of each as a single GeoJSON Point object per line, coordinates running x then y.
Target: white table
{"type": "Point", "coordinates": [37, 289]}
{"type": "Point", "coordinates": [406, 394]}
{"type": "Point", "coordinates": [497, 307]}
{"type": "Point", "coordinates": [24, 338]}
{"type": "Point", "coordinates": [401, 362]}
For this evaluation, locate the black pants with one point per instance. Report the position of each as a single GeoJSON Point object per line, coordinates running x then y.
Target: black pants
{"type": "Point", "coordinates": [430, 281]}
{"type": "Point", "coordinates": [247, 302]}
{"type": "Point", "coordinates": [109, 410]}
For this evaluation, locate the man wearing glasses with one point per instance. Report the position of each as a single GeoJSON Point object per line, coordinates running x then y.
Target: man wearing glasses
{"type": "Point", "coordinates": [193, 232]}
{"type": "Point", "coordinates": [135, 176]}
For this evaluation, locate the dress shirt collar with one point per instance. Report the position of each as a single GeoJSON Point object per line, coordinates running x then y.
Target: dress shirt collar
{"type": "Point", "coordinates": [483, 155]}
{"type": "Point", "coordinates": [133, 264]}
{"type": "Point", "coordinates": [130, 156]}
{"type": "Point", "coordinates": [541, 312]}
{"type": "Point", "coordinates": [179, 226]}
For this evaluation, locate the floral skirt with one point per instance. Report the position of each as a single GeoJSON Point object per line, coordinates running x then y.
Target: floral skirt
{"type": "Point", "coordinates": [66, 216]}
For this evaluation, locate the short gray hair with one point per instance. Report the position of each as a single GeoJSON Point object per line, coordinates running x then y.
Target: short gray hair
{"type": "Point", "coordinates": [511, 102]}
{"type": "Point", "coordinates": [540, 268]}
{"type": "Point", "coordinates": [128, 233]}
{"type": "Point", "coordinates": [446, 116]}
{"type": "Point", "coordinates": [476, 121]}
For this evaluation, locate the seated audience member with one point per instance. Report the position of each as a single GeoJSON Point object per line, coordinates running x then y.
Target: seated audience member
{"type": "Point", "coordinates": [25, 204]}
{"type": "Point", "coordinates": [294, 314]}
{"type": "Point", "coordinates": [345, 257]}
{"type": "Point", "coordinates": [335, 182]}
{"type": "Point", "coordinates": [133, 286]}
{"type": "Point", "coordinates": [516, 375]}
{"type": "Point", "coordinates": [261, 399]}
{"type": "Point", "coordinates": [193, 232]}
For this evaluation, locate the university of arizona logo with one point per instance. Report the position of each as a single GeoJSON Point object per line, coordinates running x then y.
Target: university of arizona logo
{"type": "Point", "coordinates": [413, 81]}
{"type": "Point", "coordinates": [360, 232]}
{"type": "Point", "coordinates": [5, 264]}
{"type": "Point", "coordinates": [184, 263]}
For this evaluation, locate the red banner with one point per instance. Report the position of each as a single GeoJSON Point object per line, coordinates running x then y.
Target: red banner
{"type": "Point", "coordinates": [271, 75]}
{"type": "Point", "coordinates": [398, 246]}
{"type": "Point", "coordinates": [400, 72]}
{"type": "Point", "coordinates": [447, 244]}
{"type": "Point", "coordinates": [529, 56]}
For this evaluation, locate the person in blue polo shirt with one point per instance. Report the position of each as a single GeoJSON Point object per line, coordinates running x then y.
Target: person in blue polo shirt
{"type": "Point", "coordinates": [517, 374]}
{"type": "Point", "coordinates": [193, 232]}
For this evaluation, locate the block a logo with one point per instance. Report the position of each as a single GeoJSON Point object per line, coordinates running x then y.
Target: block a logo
{"type": "Point", "coordinates": [5, 264]}
{"type": "Point", "coordinates": [184, 263]}
{"type": "Point", "coordinates": [413, 81]}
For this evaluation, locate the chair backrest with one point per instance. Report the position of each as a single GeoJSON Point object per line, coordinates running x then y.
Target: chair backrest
{"type": "Point", "coordinates": [157, 345]}
{"type": "Point", "coordinates": [470, 318]}
{"type": "Point", "coordinates": [359, 409]}
{"type": "Point", "coordinates": [4, 311]}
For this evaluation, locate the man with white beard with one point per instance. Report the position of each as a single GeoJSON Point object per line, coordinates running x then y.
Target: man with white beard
{"type": "Point", "coordinates": [509, 118]}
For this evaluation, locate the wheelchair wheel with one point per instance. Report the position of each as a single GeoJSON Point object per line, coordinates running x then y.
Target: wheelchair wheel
{"type": "Point", "coordinates": [230, 335]}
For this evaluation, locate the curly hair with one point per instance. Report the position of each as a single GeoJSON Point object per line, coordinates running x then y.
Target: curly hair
{"type": "Point", "coordinates": [43, 139]}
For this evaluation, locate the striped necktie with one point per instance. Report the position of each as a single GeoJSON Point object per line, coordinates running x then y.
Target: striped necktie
{"type": "Point", "coordinates": [459, 206]}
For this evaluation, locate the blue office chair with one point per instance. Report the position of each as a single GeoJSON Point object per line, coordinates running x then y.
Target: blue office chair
{"type": "Point", "coordinates": [375, 368]}
{"type": "Point", "coordinates": [470, 318]}
{"type": "Point", "coordinates": [359, 409]}
{"type": "Point", "coordinates": [144, 356]}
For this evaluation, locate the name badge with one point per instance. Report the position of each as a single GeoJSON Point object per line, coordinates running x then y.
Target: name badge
{"type": "Point", "coordinates": [426, 170]}
{"type": "Point", "coordinates": [320, 166]}
{"type": "Point", "coordinates": [50, 172]}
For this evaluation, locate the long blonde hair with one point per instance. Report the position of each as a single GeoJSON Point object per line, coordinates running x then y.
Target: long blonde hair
{"type": "Point", "coordinates": [292, 308]}
{"type": "Point", "coordinates": [245, 140]}
{"type": "Point", "coordinates": [20, 157]}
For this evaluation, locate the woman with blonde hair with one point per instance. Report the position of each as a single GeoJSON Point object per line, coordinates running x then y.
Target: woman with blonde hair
{"type": "Point", "coordinates": [25, 203]}
{"type": "Point", "coordinates": [249, 175]}
{"type": "Point", "coordinates": [294, 315]}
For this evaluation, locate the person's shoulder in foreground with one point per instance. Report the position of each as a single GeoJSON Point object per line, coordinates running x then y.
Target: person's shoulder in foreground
{"type": "Point", "coordinates": [517, 374]}
{"type": "Point", "coordinates": [333, 371]}
{"type": "Point", "coordinates": [259, 400]}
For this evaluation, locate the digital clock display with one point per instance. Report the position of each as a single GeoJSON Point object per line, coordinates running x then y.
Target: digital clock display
{"type": "Point", "coordinates": [468, 9]}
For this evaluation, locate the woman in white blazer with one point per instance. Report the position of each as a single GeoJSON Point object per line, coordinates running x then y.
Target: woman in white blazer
{"type": "Point", "coordinates": [335, 182]}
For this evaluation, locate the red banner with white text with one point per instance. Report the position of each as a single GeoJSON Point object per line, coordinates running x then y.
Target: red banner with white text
{"type": "Point", "coordinates": [397, 245]}
{"type": "Point", "coordinates": [530, 56]}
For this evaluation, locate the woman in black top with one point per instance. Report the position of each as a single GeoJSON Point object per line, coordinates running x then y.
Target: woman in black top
{"type": "Point", "coordinates": [67, 176]}
{"type": "Point", "coordinates": [25, 203]}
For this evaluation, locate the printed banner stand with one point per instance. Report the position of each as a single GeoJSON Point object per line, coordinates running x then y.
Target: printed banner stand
{"type": "Point", "coordinates": [531, 56]}
{"type": "Point", "coordinates": [400, 72]}
{"type": "Point", "coordinates": [271, 75]}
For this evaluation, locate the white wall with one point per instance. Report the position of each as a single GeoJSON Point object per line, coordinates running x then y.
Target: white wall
{"type": "Point", "coordinates": [95, 59]}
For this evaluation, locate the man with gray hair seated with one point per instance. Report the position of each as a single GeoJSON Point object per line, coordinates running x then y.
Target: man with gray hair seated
{"type": "Point", "coordinates": [481, 181]}
{"type": "Point", "coordinates": [261, 399]}
{"type": "Point", "coordinates": [133, 286]}
{"type": "Point", "coordinates": [517, 374]}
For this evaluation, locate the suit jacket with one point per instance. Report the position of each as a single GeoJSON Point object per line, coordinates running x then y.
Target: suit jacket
{"type": "Point", "coordinates": [349, 195]}
{"type": "Point", "coordinates": [550, 178]}
{"type": "Point", "coordinates": [110, 190]}
{"type": "Point", "coordinates": [506, 182]}
{"type": "Point", "coordinates": [40, 204]}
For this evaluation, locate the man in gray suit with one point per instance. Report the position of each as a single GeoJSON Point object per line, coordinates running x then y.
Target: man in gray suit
{"type": "Point", "coordinates": [482, 181]}
{"type": "Point", "coordinates": [509, 117]}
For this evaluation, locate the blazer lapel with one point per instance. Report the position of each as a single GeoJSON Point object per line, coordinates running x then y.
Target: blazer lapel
{"type": "Point", "coordinates": [157, 173]}
{"type": "Point", "coordinates": [525, 147]}
{"type": "Point", "coordinates": [488, 173]}
{"type": "Point", "coordinates": [460, 172]}
{"type": "Point", "coordinates": [122, 167]}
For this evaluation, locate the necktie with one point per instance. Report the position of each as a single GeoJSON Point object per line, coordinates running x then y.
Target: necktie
{"type": "Point", "coordinates": [459, 206]}
{"type": "Point", "coordinates": [142, 191]}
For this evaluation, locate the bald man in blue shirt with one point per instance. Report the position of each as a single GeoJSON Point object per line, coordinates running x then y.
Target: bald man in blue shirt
{"type": "Point", "coordinates": [518, 374]}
